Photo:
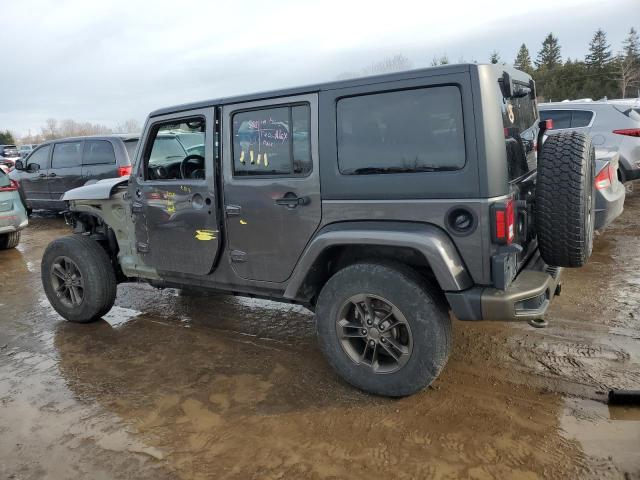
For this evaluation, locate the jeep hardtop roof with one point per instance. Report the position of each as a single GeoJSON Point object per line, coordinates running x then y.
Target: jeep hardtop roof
{"type": "Point", "coordinates": [334, 85]}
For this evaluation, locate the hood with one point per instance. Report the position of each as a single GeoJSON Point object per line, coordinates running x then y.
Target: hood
{"type": "Point", "coordinates": [100, 190]}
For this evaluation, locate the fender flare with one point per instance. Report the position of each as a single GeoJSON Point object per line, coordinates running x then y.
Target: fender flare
{"type": "Point", "coordinates": [430, 241]}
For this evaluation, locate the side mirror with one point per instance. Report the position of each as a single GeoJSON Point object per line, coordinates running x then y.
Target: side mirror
{"type": "Point", "coordinates": [19, 165]}
{"type": "Point", "coordinates": [33, 167]}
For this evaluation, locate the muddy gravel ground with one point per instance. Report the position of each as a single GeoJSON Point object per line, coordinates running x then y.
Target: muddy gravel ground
{"type": "Point", "coordinates": [180, 385]}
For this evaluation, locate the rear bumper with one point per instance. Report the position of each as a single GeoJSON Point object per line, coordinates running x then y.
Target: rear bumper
{"type": "Point", "coordinates": [528, 297]}
{"type": "Point", "coordinates": [609, 204]}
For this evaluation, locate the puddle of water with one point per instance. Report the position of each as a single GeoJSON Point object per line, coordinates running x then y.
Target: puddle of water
{"type": "Point", "coordinates": [606, 432]}
{"type": "Point", "coordinates": [119, 316]}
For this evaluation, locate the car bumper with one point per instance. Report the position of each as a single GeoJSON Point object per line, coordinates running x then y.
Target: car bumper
{"type": "Point", "coordinates": [13, 216]}
{"type": "Point", "coordinates": [609, 204]}
{"type": "Point", "coordinates": [528, 297]}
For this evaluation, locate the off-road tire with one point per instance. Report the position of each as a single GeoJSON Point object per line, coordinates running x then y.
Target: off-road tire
{"type": "Point", "coordinates": [565, 199]}
{"type": "Point", "coordinates": [417, 300]}
{"type": "Point", "coordinates": [100, 284]}
{"type": "Point", "coordinates": [9, 240]}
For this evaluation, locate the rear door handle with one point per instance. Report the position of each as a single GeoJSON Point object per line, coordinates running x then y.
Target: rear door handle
{"type": "Point", "coordinates": [291, 200]}
{"type": "Point", "coordinates": [52, 174]}
{"type": "Point", "coordinates": [42, 175]}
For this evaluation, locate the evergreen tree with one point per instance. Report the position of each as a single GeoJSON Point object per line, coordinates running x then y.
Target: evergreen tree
{"type": "Point", "coordinates": [523, 60]}
{"type": "Point", "coordinates": [599, 55]}
{"type": "Point", "coordinates": [495, 57]}
{"type": "Point", "coordinates": [549, 55]}
{"type": "Point", "coordinates": [631, 45]}
{"type": "Point", "coordinates": [6, 138]}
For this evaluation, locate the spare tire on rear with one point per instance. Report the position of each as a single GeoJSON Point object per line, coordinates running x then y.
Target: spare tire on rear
{"type": "Point", "coordinates": [565, 199]}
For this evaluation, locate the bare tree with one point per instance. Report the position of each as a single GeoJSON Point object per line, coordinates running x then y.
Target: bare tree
{"type": "Point", "coordinates": [627, 73]}
{"type": "Point", "coordinates": [440, 60]}
{"type": "Point", "coordinates": [128, 126]}
{"type": "Point", "coordinates": [397, 63]}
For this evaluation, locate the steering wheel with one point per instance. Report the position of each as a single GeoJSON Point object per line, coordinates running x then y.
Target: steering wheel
{"type": "Point", "coordinates": [199, 159]}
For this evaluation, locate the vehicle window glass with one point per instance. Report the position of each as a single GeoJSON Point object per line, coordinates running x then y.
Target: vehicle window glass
{"type": "Point", "coordinates": [561, 118]}
{"type": "Point", "coordinates": [581, 118]}
{"type": "Point", "coordinates": [4, 179]}
{"type": "Point", "coordinates": [398, 132]}
{"type": "Point", "coordinates": [131, 146]}
{"type": "Point", "coordinates": [168, 158]}
{"type": "Point", "coordinates": [98, 152]}
{"type": "Point", "coordinates": [66, 155]}
{"type": "Point", "coordinates": [272, 141]}
{"type": "Point", "coordinates": [40, 156]}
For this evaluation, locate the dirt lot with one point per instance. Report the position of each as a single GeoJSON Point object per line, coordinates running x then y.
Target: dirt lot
{"type": "Point", "coordinates": [177, 385]}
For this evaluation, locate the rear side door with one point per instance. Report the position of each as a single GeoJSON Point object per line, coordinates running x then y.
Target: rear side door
{"type": "Point", "coordinates": [271, 184]}
{"type": "Point", "coordinates": [66, 168]}
{"type": "Point", "coordinates": [98, 160]}
{"type": "Point", "coordinates": [174, 195]}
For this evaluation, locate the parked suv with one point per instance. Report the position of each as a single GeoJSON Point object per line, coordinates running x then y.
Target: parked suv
{"type": "Point", "coordinates": [612, 125]}
{"type": "Point", "coordinates": [60, 165]}
{"type": "Point", "coordinates": [380, 203]}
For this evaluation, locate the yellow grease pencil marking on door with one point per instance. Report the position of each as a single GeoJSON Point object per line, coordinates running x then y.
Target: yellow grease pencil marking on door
{"type": "Point", "coordinates": [243, 222]}
{"type": "Point", "coordinates": [206, 234]}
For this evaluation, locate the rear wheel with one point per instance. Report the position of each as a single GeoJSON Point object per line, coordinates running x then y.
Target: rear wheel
{"type": "Point", "coordinates": [9, 240]}
{"type": "Point", "coordinates": [382, 328]}
{"type": "Point", "coordinates": [78, 278]}
{"type": "Point", "coordinates": [565, 199]}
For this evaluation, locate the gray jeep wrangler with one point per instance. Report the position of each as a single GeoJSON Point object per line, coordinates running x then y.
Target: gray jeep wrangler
{"type": "Point", "coordinates": [380, 203]}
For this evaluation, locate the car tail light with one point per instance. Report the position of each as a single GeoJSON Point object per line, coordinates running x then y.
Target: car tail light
{"type": "Point", "coordinates": [605, 178]}
{"type": "Point", "coordinates": [631, 132]}
{"type": "Point", "coordinates": [123, 171]}
{"type": "Point", "coordinates": [548, 124]}
{"type": "Point", "coordinates": [12, 187]}
{"type": "Point", "coordinates": [504, 223]}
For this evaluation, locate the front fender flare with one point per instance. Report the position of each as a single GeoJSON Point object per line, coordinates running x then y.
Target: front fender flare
{"type": "Point", "coordinates": [430, 241]}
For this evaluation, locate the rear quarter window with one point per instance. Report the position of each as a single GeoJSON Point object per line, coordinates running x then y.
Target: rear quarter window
{"type": "Point", "coordinates": [401, 132]}
{"type": "Point", "coordinates": [4, 179]}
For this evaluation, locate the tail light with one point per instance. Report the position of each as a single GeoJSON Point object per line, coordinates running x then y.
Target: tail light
{"type": "Point", "coordinates": [548, 124]}
{"type": "Point", "coordinates": [12, 187]}
{"type": "Point", "coordinates": [605, 178]}
{"type": "Point", "coordinates": [123, 171]}
{"type": "Point", "coordinates": [503, 222]}
{"type": "Point", "coordinates": [631, 132]}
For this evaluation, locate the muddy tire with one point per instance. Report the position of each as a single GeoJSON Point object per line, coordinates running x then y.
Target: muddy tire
{"type": "Point", "coordinates": [78, 278]}
{"type": "Point", "coordinates": [383, 329]}
{"type": "Point", "coordinates": [565, 199]}
{"type": "Point", "coordinates": [9, 240]}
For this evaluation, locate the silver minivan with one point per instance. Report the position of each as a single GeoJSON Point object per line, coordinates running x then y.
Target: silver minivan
{"type": "Point", "coordinates": [612, 124]}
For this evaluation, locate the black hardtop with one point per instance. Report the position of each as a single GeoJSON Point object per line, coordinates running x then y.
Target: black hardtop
{"type": "Point", "coordinates": [335, 85]}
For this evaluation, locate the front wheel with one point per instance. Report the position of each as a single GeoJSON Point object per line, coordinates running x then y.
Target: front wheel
{"type": "Point", "coordinates": [78, 278]}
{"type": "Point", "coordinates": [383, 329]}
{"type": "Point", "coordinates": [9, 240]}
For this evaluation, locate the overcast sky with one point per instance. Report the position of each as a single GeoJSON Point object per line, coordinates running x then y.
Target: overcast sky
{"type": "Point", "coordinates": [105, 62]}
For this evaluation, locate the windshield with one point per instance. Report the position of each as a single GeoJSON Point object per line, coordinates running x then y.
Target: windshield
{"type": "Point", "coordinates": [520, 122]}
{"type": "Point", "coordinates": [166, 150]}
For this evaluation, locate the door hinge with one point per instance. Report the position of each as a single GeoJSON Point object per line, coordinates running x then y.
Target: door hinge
{"type": "Point", "coordinates": [232, 210]}
{"type": "Point", "coordinates": [142, 247]}
{"type": "Point", "coordinates": [238, 256]}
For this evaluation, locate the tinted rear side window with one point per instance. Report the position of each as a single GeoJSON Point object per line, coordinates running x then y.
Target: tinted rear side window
{"type": "Point", "coordinates": [66, 155]}
{"type": "Point", "coordinates": [98, 152]}
{"type": "Point", "coordinates": [581, 118]}
{"type": "Point", "coordinates": [400, 132]}
{"type": "Point", "coordinates": [561, 118]}
{"type": "Point", "coordinates": [131, 146]}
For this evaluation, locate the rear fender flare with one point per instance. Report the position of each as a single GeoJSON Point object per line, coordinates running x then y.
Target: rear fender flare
{"type": "Point", "coordinates": [430, 241]}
